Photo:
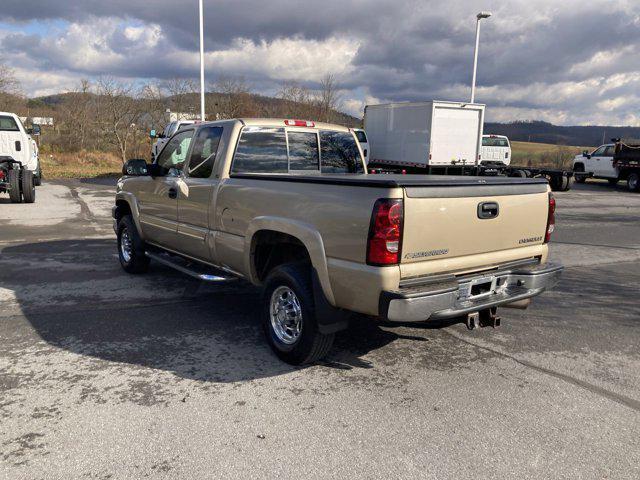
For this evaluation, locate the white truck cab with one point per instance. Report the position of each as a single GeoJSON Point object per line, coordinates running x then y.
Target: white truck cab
{"type": "Point", "coordinates": [16, 142]}
{"type": "Point", "coordinates": [364, 143]}
{"type": "Point", "coordinates": [495, 149]}
{"type": "Point", "coordinates": [166, 134]}
{"type": "Point", "coordinates": [597, 164]}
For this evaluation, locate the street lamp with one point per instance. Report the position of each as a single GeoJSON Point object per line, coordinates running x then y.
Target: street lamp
{"type": "Point", "coordinates": [202, 114]}
{"type": "Point", "coordinates": [480, 16]}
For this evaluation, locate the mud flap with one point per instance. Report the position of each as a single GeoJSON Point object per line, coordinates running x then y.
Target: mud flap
{"type": "Point", "coordinates": [330, 319]}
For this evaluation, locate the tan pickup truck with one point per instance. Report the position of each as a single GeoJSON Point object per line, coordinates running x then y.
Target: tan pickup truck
{"type": "Point", "coordinates": [287, 204]}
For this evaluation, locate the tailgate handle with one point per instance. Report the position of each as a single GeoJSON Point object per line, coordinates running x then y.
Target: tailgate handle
{"type": "Point", "coordinates": [488, 210]}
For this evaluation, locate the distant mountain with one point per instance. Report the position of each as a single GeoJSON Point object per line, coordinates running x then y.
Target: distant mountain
{"type": "Point", "coordinates": [543, 132]}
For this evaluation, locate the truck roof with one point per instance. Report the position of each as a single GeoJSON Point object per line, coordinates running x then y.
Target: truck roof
{"type": "Point", "coordinates": [281, 122]}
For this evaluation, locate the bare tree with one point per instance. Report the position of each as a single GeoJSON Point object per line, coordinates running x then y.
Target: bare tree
{"type": "Point", "coordinates": [235, 98]}
{"type": "Point", "coordinates": [182, 95]}
{"type": "Point", "coordinates": [328, 98]}
{"type": "Point", "coordinates": [117, 113]}
{"type": "Point", "coordinates": [9, 88]}
{"type": "Point", "coordinates": [298, 101]}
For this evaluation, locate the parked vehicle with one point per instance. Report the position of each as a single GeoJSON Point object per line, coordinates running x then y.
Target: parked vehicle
{"type": "Point", "coordinates": [597, 164]}
{"type": "Point", "coordinates": [626, 161]}
{"type": "Point", "coordinates": [288, 205]}
{"type": "Point", "coordinates": [19, 162]}
{"type": "Point", "coordinates": [495, 149]}
{"type": "Point", "coordinates": [425, 134]}
{"type": "Point", "coordinates": [167, 132]}
{"type": "Point", "coordinates": [364, 143]}
{"type": "Point", "coordinates": [442, 138]}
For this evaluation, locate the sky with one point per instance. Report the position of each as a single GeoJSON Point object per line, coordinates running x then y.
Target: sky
{"type": "Point", "coordinates": [568, 62]}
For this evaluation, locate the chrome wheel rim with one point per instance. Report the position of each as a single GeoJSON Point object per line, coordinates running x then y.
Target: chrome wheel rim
{"type": "Point", "coordinates": [286, 315]}
{"type": "Point", "coordinates": [125, 245]}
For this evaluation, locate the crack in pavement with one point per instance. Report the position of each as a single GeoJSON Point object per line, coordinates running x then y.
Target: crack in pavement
{"type": "Point", "coordinates": [600, 391]}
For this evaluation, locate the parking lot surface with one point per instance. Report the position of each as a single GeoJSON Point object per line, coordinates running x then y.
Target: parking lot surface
{"type": "Point", "coordinates": [108, 375]}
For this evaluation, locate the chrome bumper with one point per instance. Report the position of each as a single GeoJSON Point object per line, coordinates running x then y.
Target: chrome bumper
{"type": "Point", "coordinates": [469, 294]}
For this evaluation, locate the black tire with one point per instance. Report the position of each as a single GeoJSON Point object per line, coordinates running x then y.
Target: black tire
{"type": "Point", "coordinates": [135, 261]}
{"type": "Point", "coordinates": [566, 183]}
{"type": "Point", "coordinates": [310, 345]}
{"type": "Point", "coordinates": [556, 182]}
{"type": "Point", "coordinates": [633, 182]}
{"type": "Point", "coordinates": [579, 178]}
{"type": "Point", "coordinates": [15, 194]}
{"type": "Point", "coordinates": [519, 174]}
{"type": "Point", "coordinates": [28, 187]}
{"type": "Point", "coordinates": [612, 181]}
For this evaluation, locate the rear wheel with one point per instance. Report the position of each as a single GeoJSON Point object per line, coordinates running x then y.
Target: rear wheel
{"type": "Point", "coordinates": [633, 182]}
{"type": "Point", "coordinates": [288, 316]}
{"type": "Point", "coordinates": [131, 250]}
{"type": "Point", "coordinates": [15, 193]}
{"type": "Point", "coordinates": [28, 187]}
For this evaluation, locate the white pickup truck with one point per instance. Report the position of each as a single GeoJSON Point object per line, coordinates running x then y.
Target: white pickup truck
{"type": "Point", "coordinates": [597, 164]}
{"type": "Point", "coordinates": [19, 163]}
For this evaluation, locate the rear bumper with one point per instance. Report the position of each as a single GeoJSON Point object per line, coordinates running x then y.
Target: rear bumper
{"type": "Point", "coordinates": [456, 297]}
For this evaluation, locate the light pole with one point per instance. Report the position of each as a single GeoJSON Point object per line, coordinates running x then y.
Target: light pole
{"type": "Point", "coordinates": [202, 114]}
{"type": "Point", "coordinates": [480, 16]}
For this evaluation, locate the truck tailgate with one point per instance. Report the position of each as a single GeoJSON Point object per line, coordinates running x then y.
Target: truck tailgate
{"type": "Point", "coordinates": [471, 221]}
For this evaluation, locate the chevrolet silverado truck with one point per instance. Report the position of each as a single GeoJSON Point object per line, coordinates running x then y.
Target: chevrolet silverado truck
{"type": "Point", "coordinates": [287, 205]}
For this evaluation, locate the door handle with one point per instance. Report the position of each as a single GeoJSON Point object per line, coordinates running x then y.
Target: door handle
{"type": "Point", "coordinates": [488, 210]}
{"type": "Point", "coordinates": [173, 192]}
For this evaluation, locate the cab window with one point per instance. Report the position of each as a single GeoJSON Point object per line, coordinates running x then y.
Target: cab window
{"type": "Point", "coordinates": [361, 136]}
{"type": "Point", "coordinates": [303, 151]}
{"type": "Point", "coordinates": [261, 150]}
{"type": "Point", "coordinates": [175, 152]}
{"type": "Point", "coordinates": [495, 142]}
{"type": "Point", "coordinates": [8, 124]}
{"type": "Point", "coordinates": [599, 151]}
{"type": "Point", "coordinates": [205, 148]}
{"type": "Point", "coordinates": [339, 153]}
{"type": "Point", "coordinates": [609, 151]}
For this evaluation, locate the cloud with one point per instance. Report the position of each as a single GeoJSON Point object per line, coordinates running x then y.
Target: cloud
{"type": "Point", "coordinates": [566, 62]}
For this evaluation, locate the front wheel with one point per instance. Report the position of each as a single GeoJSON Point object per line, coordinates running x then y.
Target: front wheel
{"type": "Point", "coordinates": [131, 247]}
{"type": "Point", "coordinates": [288, 316]}
{"type": "Point", "coordinates": [633, 182]}
{"type": "Point", "coordinates": [579, 178]}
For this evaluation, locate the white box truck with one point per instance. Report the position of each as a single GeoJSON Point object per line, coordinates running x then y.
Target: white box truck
{"type": "Point", "coordinates": [425, 134]}
{"type": "Point", "coordinates": [439, 137]}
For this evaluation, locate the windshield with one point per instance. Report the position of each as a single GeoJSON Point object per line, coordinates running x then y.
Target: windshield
{"type": "Point", "coordinates": [495, 142]}
{"type": "Point", "coordinates": [8, 124]}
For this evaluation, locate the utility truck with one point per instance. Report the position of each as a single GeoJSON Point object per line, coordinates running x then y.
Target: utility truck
{"type": "Point", "coordinates": [288, 205]}
{"type": "Point", "coordinates": [439, 137]}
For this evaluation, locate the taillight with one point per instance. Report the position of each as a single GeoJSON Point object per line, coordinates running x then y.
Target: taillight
{"type": "Point", "coordinates": [1, 175]}
{"type": "Point", "coordinates": [551, 219]}
{"type": "Point", "coordinates": [385, 233]}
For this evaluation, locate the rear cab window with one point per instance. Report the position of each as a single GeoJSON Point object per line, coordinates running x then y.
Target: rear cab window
{"type": "Point", "coordinates": [361, 136]}
{"type": "Point", "coordinates": [495, 142]}
{"type": "Point", "coordinates": [8, 124]}
{"type": "Point", "coordinates": [303, 151]}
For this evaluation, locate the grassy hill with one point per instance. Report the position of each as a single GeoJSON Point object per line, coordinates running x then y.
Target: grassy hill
{"type": "Point", "coordinates": [544, 154]}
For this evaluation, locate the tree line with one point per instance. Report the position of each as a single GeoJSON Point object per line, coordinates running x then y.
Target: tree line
{"type": "Point", "coordinates": [111, 115]}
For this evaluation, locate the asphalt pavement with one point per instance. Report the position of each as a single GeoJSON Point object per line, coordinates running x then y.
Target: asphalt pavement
{"type": "Point", "coordinates": [105, 375]}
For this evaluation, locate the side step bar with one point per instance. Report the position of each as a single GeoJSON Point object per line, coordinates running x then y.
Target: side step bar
{"type": "Point", "coordinates": [194, 269]}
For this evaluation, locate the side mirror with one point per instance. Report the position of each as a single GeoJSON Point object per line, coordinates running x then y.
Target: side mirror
{"type": "Point", "coordinates": [29, 131]}
{"type": "Point", "coordinates": [585, 154]}
{"type": "Point", "coordinates": [156, 170]}
{"type": "Point", "coordinates": [153, 134]}
{"type": "Point", "coordinates": [136, 167]}
{"type": "Point", "coordinates": [36, 130]}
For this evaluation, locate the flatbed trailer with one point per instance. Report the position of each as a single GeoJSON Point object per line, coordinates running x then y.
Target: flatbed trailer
{"type": "Point", "coordinates": [559, 180]}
